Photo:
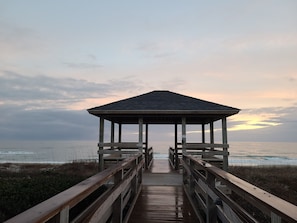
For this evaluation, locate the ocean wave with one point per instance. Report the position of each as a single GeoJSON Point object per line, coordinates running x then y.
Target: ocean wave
{"type": "Point", "coordinates": [16, 153]}
{"type": "Point", "coordinates": [262, 160]}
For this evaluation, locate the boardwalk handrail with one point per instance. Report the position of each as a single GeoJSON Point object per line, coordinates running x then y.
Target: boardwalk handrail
{"type": "Point", "coordinates": [110, 194]}
{"type": "Point", "coordinates": [216, 194]}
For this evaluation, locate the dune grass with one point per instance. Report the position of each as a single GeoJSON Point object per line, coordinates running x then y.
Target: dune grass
{"type": "Point", "coordinates": [25, 185]}
{"type": "Point", "coordinates": [280, 181]}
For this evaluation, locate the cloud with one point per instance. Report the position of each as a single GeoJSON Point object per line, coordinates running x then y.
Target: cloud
{"type": "Point", "coordinates": [38, 92]}
{"type": "Point", "coordinates": [83, 65]}
{"type": "Point", "coordinates": [19, 42]}
{"type": "Point", "coordinates": [264, 124]}
{"type": "Point", "coordinates": [17, 123]}
{"type": "Point", "coordinates": [160, 49]}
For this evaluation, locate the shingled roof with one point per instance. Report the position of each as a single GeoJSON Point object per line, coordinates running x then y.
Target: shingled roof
{"type": "Point", "coordinates": [163, 107]}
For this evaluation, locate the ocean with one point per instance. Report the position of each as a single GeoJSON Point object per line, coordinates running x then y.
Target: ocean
{"type": "Point", "coordinates": [241, 153]}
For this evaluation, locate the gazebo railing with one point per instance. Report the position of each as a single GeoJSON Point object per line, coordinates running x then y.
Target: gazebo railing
{"type": "Point", "coordinates": [216, 154]}
{"type": "Point", "coordinates": [116, 152]}
{"type": "Point", "coordinates": [174, 158]}
{"type": "Point", "coordinates": [148, 155]}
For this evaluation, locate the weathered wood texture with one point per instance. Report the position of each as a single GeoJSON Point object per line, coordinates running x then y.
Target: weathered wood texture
{"type": "Point", "coordinates": [122, 183]}
{"type": "Point", "coordinates": [162, 198]}
{"type": "Point", "coordinates": [162, 204]}
{"type": "Point", "coordinates": [217, 194]}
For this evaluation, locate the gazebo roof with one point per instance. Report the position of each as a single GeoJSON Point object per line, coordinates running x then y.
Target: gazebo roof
{"type": "Point", "coordinates": [163, 107]}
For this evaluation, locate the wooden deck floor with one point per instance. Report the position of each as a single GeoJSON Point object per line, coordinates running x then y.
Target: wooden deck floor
{"type": "Point", "coordinates": [162, 198]}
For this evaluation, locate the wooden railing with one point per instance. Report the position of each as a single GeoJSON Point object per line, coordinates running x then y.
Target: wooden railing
{"type": "Point", "coordinates": [174, 157]}
{"type": "Point", "coordinates": [216, 154]}
{"type": "Point", "coordinates": [115, 152]}
{"type": "Point", "coordinates": [148, 156]}
{"type": "Point", "coordinates": [107, 196]}
{"type": "Point", "coordinates": [218, 196]}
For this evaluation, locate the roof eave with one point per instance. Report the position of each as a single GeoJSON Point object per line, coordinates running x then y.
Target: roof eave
{"type": "Point", "coordinates": [163, 112]}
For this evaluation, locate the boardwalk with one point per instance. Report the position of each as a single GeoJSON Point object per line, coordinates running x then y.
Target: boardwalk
{"type": "Point", "coordinates": [162, 198]}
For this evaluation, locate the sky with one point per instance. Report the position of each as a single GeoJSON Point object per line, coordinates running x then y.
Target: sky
{"type": "Point", "coordinates": [59, 58]}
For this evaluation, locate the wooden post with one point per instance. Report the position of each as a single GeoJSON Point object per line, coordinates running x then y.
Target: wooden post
{"type": "Point", "coordinates": [203, 132]}
{"type": "Point", "coordinates": [140, 134]}
{"type": "Point", "coordinates": [64, 215]}
{"type": "Point", "coordinates": [117, 206]}
{"type": "Point", "coordinates": [112, 134]}
{"type": "Point", "coordinates": [184, 136]}
{"type": "Point", "coordinates": [146, 147]}
{"type": "Point", "coordinates": [120, 133]}
{"type": "Point", "coordinates": [211, 213]}
{"type": "Point", "coordinates": [211, 135]}
{"type": "Point", "coordinates": [101, 141]}
{"type": "Point", "coordinates": [225, 142]}
{"type": "Point", "coordinates": [176, 164]}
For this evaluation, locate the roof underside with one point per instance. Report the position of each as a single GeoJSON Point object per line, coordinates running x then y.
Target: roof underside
{"type": "Point", "coordinates": [163, 107]}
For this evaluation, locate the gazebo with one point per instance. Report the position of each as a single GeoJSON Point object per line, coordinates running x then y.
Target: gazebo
{"type": "Point", "coordinates": [165, 107]}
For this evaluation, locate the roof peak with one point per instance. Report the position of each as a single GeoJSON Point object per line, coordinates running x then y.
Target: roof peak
{"type": "Point", "coordinates": [162, 106]}
{"type": "Point", "coordinates": [163, 100]}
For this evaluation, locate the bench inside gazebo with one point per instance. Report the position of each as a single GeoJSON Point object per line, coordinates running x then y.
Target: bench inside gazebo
{"type": "Point", "coordinates": [166, 108]}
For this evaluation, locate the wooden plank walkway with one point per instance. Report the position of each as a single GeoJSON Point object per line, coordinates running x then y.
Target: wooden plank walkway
{"type": "Point", "coordinates": [162, 198]}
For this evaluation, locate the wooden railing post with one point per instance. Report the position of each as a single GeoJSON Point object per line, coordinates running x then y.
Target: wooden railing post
{"type": "Point", "coordinates": [211, 215]}
{"type": "Point", "coordinates": [275, 218]}
{"type": "Point", "coordinates": [117, 207]}
{"type": "Point", "coordinates": [64, 215]}
{"type": "Point", "coordinates": [117, 215]}
{"type": "Point", "coordinates": [191, 180]}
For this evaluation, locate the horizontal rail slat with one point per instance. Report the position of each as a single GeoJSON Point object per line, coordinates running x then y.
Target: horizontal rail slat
{"type": "Point", "coordinates": [121, 144]}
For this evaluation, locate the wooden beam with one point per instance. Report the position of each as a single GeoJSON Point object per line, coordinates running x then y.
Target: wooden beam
{"type": "Point", "coordinates": [120, 133]}
{"type": "Point", "coordinates": [125, 145]}
{"type": "Point", "coordinates": [176, 164]}
{"type": "Point", "coordinates": [205, 145]}
{"type": "Point", "coordinates": [211, 133]}
{"type": "Point", "coordinates": [101, 141]}
{"type": "Point", "coordinates": [184, 135]}
{"type": "Point", "coordinates": [146, 155]}
{"type": "Point", "coordinates": [140, 134]}
{"type": "Point", "coordinates": [112, 132]}
{"type": "Point", "coordinates": [203, 132]}
{"type": "Point", "coordinates": [225, 141]}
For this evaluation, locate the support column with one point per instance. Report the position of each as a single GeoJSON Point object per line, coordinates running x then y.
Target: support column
{"type": "Point", "coordinates": [120, 133]}
{"type": "Point", "coordinates": [146, 136]}
{"type": "Point", "coordinates": [120, 137]}
{"type": "Point", "coordinates": [112, 134]}
{"type": "Point", "coordinates": [101, 141]}
{"type": "Point", "coordinates": [176, 164]}
{"type": "Point", "coordinates": [184, 136]}
{"type": "Point", "coordinates": [140, 134]}
{"type": "Point", "coordinates": [203, 132]}
{"type": "Point", "coordinates": [225, 142]}
{"type": "Point", "coordinates": [146, 147]}
{"type": "Point", "coordinates": [211, 135]}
